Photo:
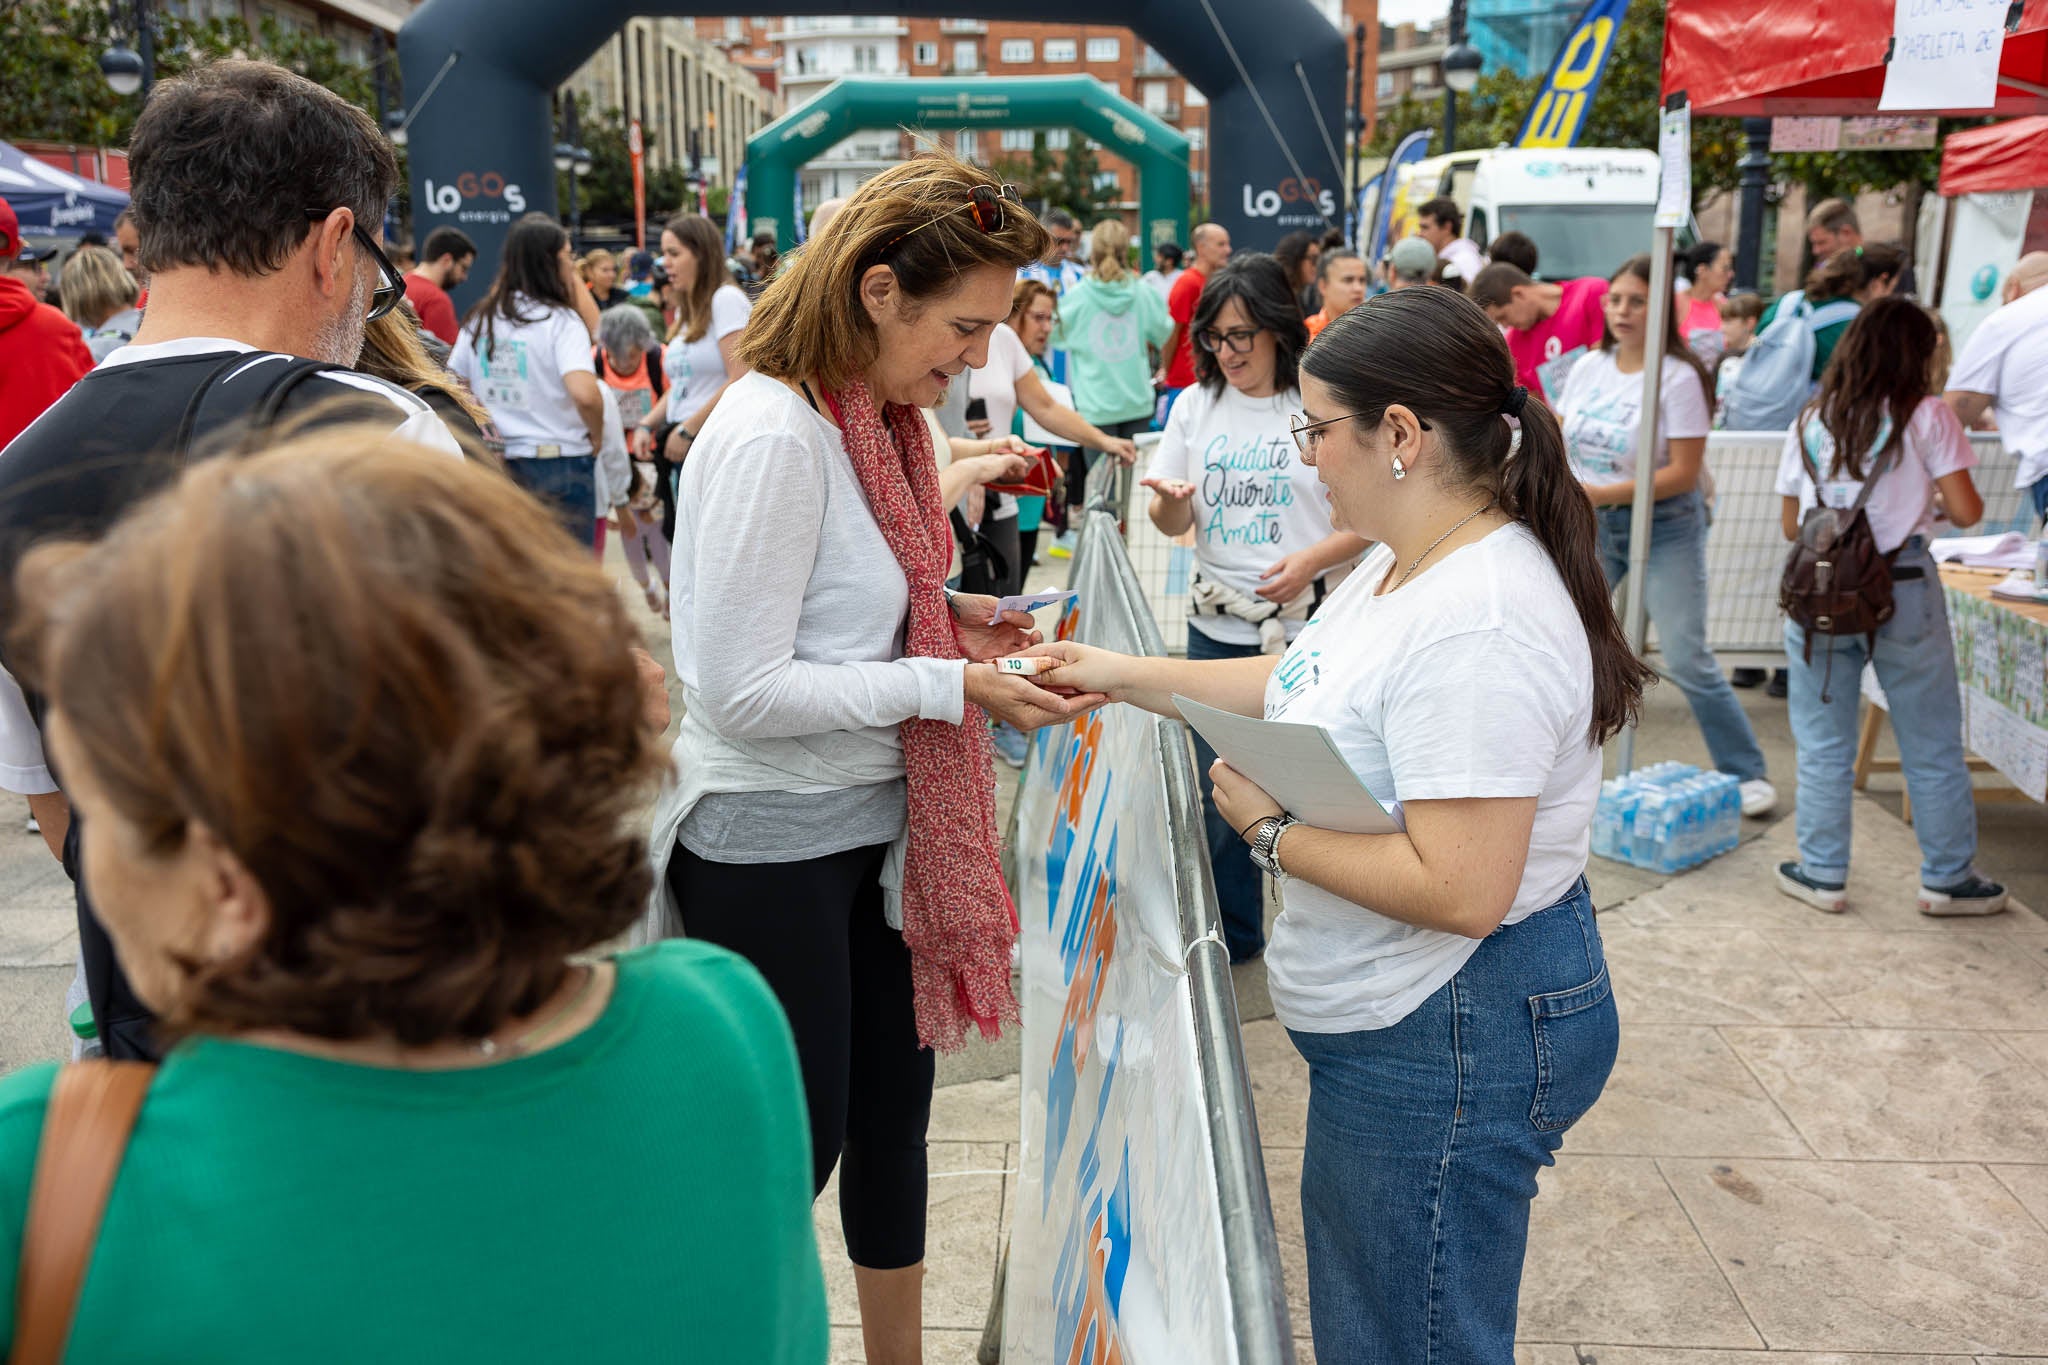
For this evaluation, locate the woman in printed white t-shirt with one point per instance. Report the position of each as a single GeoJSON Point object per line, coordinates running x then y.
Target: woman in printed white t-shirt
{"type": "Point", "coordinates": [1877, 420]}
{"type": "Point", "coordinates": [1446, 982]}
{"type": "Point", "coordinates": [1227, 469]}
{"type": "Point", "coordinates": [702, 354]}
{"type": "Point", "coordinates": [1601, 409]}
{"type": "Point", "coordinates": [524, 351]}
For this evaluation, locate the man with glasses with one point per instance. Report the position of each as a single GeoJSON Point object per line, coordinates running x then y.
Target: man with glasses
{"type": "Point", "coordinates": [256, 198]}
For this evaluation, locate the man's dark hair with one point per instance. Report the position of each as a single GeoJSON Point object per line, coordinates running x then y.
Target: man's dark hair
{"type": "Point", "coordinates": [446, 241]}
{"type": "Point", "coordinates": [228, 161]}
{"type": "Point", "coordinates": [1517, 249]}
{"type": "Point", "coordinates": [1171, 253]}
{"type": "Point", "coordinates": [1496, 284]}
{"type": "Point", "coordinates": [1260, 285]}
{"type": "Point", "coordinates": [1058, 218]}
{"type": "Point", "coordinates": [1444, 209]}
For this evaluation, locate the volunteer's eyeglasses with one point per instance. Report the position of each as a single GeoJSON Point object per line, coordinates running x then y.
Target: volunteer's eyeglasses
{"type": "Point", "coordinates": [984, 203]}
{"type": "Point", "coordinates": [390, 284]}
{"type": "Point", "coordinates": [1239, 340]}
{"type": "Point", "coordinates": [1309, 435]}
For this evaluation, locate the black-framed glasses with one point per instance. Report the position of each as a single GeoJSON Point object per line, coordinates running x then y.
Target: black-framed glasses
{"type": "Point", "coordinates": [390, 284]}
{"type": "Point", "coordinates": [1240, 340]}
{"type": "Point", "coordinates": [984, 203]}
{"type": "Point", "coordinates": [1308, 435]}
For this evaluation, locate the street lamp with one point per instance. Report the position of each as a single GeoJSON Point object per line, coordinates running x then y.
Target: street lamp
{"type": "Point", "coordinates": [126, 69]}
{"type": "Point", "coordinates": [1461, 64]}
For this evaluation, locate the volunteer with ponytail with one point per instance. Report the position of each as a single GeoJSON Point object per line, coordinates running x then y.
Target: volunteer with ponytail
{"type": "Point", "coordinates": [1601, 409]}
{"type": "Point", "coordinates": [835, 773]}
{"type": "Point", "coordinates": [1469, 670]}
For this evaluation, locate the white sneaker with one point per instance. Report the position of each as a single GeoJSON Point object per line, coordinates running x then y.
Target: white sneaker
{"type": "Point", "coordinates": [1759, 798]}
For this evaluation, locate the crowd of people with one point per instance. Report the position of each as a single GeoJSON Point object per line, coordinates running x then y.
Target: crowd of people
{"type": "Point", "coordinates": [317, 690]}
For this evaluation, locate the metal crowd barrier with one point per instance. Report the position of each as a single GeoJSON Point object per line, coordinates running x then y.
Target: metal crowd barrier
{"type": "Point", "coordinates": [1216, 1125]}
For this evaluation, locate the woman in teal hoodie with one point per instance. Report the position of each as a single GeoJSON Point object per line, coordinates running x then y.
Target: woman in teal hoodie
{"type": "Point", "coordinates": [1107, 325]}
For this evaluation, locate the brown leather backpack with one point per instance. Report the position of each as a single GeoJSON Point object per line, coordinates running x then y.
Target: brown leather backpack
{"type": "Point", "coordinates": [1836, 581]}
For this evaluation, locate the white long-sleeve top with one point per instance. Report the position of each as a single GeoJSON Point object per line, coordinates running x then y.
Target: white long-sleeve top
{"type": "Point", "coordinates": [789, 607]}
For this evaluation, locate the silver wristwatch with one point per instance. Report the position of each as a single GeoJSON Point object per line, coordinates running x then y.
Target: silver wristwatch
{"type": "Point", "coordinates": [1266, 843]}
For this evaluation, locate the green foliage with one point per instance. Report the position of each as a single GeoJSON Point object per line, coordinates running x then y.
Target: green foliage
{"type": "Point", "coordinates": [1067, 182]}
{"type": "Point", "coordinates": [50, 82]}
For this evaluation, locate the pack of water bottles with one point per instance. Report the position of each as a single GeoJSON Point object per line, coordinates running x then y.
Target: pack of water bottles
{"type": "Point", "coordinates": [1667, 817]}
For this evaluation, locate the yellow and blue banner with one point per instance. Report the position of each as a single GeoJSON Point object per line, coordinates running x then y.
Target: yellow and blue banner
{"type": "Point", "coordinates": [1560, 108]}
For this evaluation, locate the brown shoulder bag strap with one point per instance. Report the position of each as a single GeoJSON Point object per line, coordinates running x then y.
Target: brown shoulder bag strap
{"type": "Point", "coordinates": [91, 1112]}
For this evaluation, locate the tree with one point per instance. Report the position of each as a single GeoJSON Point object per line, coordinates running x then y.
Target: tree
{"type": "Point", "coordinates": [1037, 177]}
{"type": "Point", "coordinates": [50, 82]}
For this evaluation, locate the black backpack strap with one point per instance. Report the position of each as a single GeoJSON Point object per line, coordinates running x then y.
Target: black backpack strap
{"type": "Point", "coordinates": [181, 442]}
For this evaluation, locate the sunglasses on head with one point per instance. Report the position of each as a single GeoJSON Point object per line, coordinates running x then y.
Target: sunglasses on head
{"type": "Point", "coordinates": [390, 284]}
{"type": "Point", "coordinates": [984, 202]}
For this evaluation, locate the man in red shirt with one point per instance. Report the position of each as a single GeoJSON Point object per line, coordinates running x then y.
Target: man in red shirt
{"type": "Point", "coordinates": [1212, 250]}
{"type": "Point", "coordinates": [1545, 323]}
{"type": "Point", "coordinates": [444, 264]}
{"type": "Point", "coordinates": [42, 353]}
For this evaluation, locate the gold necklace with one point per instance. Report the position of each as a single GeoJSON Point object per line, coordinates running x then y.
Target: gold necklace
{"type": "Point", "coordinates": [1438, 541]}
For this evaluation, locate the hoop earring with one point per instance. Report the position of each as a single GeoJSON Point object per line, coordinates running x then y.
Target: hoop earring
{"type": "Point", "coordinates": [1400, 471]}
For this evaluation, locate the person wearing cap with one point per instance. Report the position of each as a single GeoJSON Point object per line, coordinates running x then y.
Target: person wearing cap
{"type": "Point", "coordinates": [1411, 262]}
{"type": "Point", "coordinates": [42, 352]}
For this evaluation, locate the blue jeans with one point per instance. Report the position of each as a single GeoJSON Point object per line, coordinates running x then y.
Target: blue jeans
{"type": "Point", "coordinates": [1424, 1140]}
{"type": "Point", "coordinates": [1240, 887]}
{"type": "Point", "coordinates": [2039, 489]}
{"type": "Point", "coordinates": [1916, 665]}
{"type": "Point", "coordinates": [568, 485]}
{"type": "Point", "coordinates": [1677, 598]}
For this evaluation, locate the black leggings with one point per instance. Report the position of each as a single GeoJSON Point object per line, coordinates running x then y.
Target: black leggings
{"type": "Point", "coordinates": [815, 930]}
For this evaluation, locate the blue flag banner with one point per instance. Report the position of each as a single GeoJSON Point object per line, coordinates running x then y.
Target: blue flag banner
{"type": "Point", "coordinates": [1560, 108]}
{"type": "Point", "coordinates": [1413, 147]}
{"type": "Point", "coordinates": [796, 214]}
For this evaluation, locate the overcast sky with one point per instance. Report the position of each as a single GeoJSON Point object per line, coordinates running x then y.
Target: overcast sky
{"type": "Point", "coordinates": [1412, 11]}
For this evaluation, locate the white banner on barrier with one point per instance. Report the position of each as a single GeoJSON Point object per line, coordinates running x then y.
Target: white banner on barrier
{"type": "Point", "coordinates": [1116, 1246]}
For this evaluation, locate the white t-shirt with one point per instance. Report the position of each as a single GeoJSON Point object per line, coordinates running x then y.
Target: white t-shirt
{"type": "Point", "coordinates": [1465, 254]}
{"type": "Point", "coordinates": [696, 369]}
{"type": "Point", "coordinates": [1255, 501]}
{"type": "Point", "coordinates": [523, 380]}
{"type": "Point", "coordinates": [2007, 358]}
{"type": "Point", "coordinates": [1602, 410]}
{"type": "Point", "coordinates": [1475, 680]}
{"type": "Point", "coordinates": [996, 382]}
{"type": "Point", "coordinates": [1902, 503]}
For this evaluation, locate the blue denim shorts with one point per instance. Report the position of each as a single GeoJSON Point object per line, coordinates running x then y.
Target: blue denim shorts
{"type": "Point", "coordinates": [1424, 1140]}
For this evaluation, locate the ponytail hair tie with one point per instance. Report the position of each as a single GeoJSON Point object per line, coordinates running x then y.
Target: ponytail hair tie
{"type": "Point", "coordinates": [1512, 405]}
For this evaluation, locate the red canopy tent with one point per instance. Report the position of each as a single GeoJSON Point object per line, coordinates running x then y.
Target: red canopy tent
{"type": "Point", "coordinates": [1999, 156]}
{"type": "Point", "coordinates": [1799, 57]}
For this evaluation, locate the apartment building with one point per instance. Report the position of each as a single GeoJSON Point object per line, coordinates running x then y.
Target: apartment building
{"type": "Point", "coordinates": [696, 106]}
{"type": "Point", "coordinates": [1410, 63]}
{"type": "Point", "coordinates": [352, 24]}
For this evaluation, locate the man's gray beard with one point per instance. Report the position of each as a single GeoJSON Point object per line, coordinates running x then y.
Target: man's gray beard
{"type": "Point", "coordinates": [340, 339]}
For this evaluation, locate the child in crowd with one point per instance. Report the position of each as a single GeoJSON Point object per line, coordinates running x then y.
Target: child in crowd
{"type": "Point", "coordinates": [1739, 315]}
{"type": "Point", "coordinates": [639, 523]}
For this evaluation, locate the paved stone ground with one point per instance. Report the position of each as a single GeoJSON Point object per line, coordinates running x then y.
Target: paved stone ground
{"type": "Point", "coordinates": [1825, 1143]}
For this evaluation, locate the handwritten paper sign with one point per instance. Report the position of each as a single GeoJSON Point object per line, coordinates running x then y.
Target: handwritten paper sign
{"type": "Point", "coordinates": [1944, 54]}
{"type": "Point", "coordinates": [1674, 166]}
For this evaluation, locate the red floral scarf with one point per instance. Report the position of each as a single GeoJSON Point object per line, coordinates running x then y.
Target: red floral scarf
{"type": "Point", "coordinates": [957, 915]}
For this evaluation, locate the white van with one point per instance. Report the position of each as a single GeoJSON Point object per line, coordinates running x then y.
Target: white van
{"type": "Point", "coordinates": [1587, 208]}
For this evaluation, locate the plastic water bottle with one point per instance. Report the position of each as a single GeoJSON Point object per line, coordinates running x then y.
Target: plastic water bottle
{"type": "Point", "coordinates": [1667, 817]}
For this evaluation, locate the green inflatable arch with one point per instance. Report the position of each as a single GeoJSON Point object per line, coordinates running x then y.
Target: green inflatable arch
{"type": "Point", "coordinates": [1159, 152]}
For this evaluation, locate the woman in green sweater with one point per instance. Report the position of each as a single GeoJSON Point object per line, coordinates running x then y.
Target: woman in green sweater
{"type": "Point", "coordinates": [1108, 324]}
{"type": "Point", "coordinates": [359, 748]}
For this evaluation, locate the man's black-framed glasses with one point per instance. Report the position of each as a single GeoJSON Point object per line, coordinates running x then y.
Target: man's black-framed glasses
{"type": "Point", "coordinates": [390, 284]}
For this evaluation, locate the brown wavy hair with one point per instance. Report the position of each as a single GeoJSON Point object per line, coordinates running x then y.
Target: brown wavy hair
{"type": "Point", "coordinates": [398, 692]}
{"type": "Point", "coordinates": [1881, 372]}
{"type": "Point", "coordinates": [1841, 275]}
{"type": "Point", "coordinates": [1434, 351]}
{"type": "Point", "coordinates": [700, 235]}
{"type": "Point", "coordinates": [909, 218]}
